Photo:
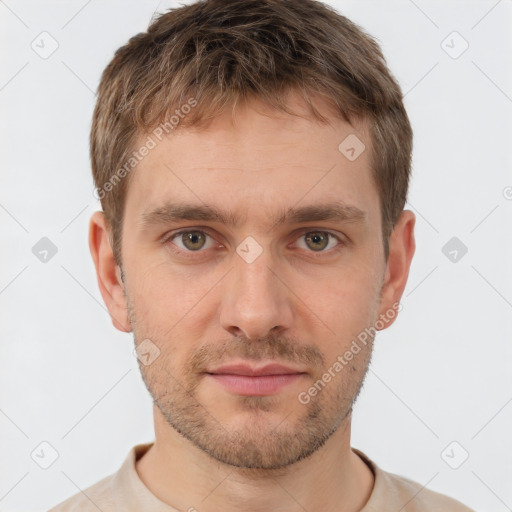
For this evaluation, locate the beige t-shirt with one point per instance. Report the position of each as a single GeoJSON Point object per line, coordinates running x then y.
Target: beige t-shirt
{"type": "Point", "coordinates": [124, 491]}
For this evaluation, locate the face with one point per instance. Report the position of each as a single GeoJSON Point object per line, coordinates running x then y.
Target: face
{"type": "Point", "coordinates": [253, 243]}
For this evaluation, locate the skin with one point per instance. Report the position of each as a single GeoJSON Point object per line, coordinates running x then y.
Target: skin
{"type": "Point", "coordinates": [298, 303]}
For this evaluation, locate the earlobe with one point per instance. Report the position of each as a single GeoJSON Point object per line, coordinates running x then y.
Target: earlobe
{"type": "Point", "coordinates": [401, 251]}
{"type": "Point", "coordinates": [108, 272]}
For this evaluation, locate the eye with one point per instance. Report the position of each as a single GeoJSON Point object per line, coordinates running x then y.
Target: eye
{"type": "Point", "coordinates": [195, 240]}
{"type": "Point", "coordinates": [191, 241]}
{"type": "Point", "coordinates": [318, 241]}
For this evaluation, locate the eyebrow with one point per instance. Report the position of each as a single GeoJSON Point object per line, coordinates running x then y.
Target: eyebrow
{"type": "Point", "coordinates": [175, 212]}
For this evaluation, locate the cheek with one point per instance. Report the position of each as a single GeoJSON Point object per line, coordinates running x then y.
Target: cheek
{"type": "Point", "coordinates": [342, 295]}
{"type": "Point", "coordinates": [164, 294]}
{"type": "Point", "coordinates": [347, 304]}
{"type": "Point", "coordinates": [169, 310]}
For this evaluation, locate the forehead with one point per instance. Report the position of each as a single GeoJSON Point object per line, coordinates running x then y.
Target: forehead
{"type": "Point", "coordinates": [257, 165]}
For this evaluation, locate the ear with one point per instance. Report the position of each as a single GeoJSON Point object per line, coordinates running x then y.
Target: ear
{"type": "Point", "coordinates": [401, 251]}
{"type": "Point", "coordinates": [108, 272]}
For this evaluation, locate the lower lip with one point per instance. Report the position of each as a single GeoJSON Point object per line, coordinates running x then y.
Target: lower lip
{"type": "Point", "coordinates": [257, 385]}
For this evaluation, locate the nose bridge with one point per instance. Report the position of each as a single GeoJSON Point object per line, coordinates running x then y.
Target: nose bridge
{"type": "Point", "coordinates": [254, 301]}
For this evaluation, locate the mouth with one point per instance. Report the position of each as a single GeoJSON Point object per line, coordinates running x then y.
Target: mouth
{"type": "Point", "coordinates": [245, 380]}
{"type": "Point", "coordinates": [250, 371]}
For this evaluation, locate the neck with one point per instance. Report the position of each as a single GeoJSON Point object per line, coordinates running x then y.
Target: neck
{"type": "Point", "coordinates": [333, 478]}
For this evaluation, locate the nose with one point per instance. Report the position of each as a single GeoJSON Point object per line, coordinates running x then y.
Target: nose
{"type": "Point", "coordinates": [255, 301]}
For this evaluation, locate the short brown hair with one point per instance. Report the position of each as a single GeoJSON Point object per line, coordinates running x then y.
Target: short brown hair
{"type": "Point", "coordinates": [220, 52]}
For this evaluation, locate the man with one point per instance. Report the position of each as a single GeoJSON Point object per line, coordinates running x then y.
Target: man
{"type": "Point", "coordinates": [252, 159]}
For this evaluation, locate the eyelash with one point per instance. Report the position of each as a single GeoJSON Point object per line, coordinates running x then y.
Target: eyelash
{"type": "Point", "coordinates": [178, 250]}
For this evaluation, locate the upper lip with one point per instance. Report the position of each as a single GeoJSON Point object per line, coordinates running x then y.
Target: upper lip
{"type": "Point", "coordinates": [245, 369]}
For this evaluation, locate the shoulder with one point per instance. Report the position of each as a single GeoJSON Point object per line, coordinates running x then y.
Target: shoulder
{"type": "Point", "coordinates": [417, 498]}
{"type": "Point", "coordinates": [114, 492]}
{"type": "Point", "coordinates": [94, 498]}
{"type": "Point", "coordinates": [395, 492]}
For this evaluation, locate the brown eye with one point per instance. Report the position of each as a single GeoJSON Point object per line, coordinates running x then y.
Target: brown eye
{"type": "Point", "coordinates": [317, 240]}
{"type": "Point", "coordinates": [320, 242]}
{"type": "Point", "coordinates": [193, 240]}
{"type": "Point", "coordinates": [188, 241]}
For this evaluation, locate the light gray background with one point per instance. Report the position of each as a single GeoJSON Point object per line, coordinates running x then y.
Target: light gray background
{"type": "Point", "coordinates": [440, 374]}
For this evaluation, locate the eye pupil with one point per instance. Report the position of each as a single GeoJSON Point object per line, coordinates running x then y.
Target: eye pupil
{"type": "Point", "coordinates": [193, 240]}
{"type": "Point", "coordinates": [317, 238]}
